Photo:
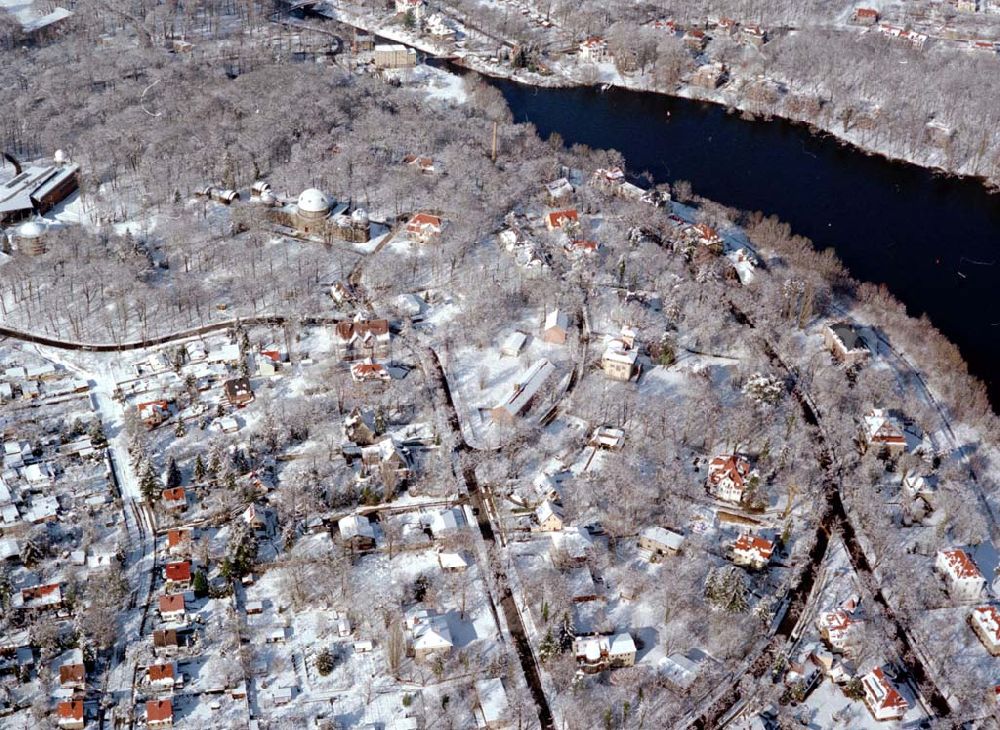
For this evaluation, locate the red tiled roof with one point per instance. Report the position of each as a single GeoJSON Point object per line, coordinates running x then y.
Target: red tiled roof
{"type": "Point", "coordinates": [176, 537]}
{"type": "Point", "coordinates": [733, 466]}
{"type": "Point", "coordinates": [179, 571]}
{"type": "Point", "coordinates": [557, 218]}
{"type": "Point", "coordinates": [176, 494]}
{"type": "Point", "coordinates": [171, 603]}
{"type": "Point", "coordinates": [159, 672]}
{"type": "Point", "coordinates": [376, 327]}
{"type": "Point", "coordinates": [159, 710]}
{"type": "Point", "coordinates": [71, 710]}
{"type": "Point", "coordinates": [961, 564]}
{"type": "Point", "coordinates": [752, 543]}
{"type": "Point", "coordinates": [891, 696]}
{"type": "Point", "coordinates": [988, 619]}
{"type": "Point", "coordinates": [72, 674]}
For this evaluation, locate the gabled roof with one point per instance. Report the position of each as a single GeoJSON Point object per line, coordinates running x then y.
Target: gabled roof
{"type": "Point", "coordinates": [161, 672]}
{"type": "Point", "coordinates": [747, 543]}
{"type": "Point", "coordinates": [72, 674]}
{"type": "Point", "coordinates": [159, 710]}
{"type": "Point", "coordinates": [71, 710]}
{"type": "Point", "coordinates": [180, 572]}
{"type": "Point", "coordinates": [960, 565]}
{"type": "Point", "coordinates": [172, 603]}
{"type": "Point", "coordinates": [558, 218]}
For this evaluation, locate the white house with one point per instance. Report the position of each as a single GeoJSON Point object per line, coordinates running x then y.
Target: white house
{"type": "Point", "coordinates": [752, 551]}
{"type": "Point", "coordinates": [985, 621]}
{"type": "Point", "coordinates": [603, 652]}
{"type": "Point", "coordinates": [729, 476]}
{"type": "Point", "coordinates": [550, 516]}
{"type": "Point", "coordinates": [837, 628]}
{"type": "Point", "coordinates": [962, 576]}
{"type": "Point", "coordinates": [882, 699]}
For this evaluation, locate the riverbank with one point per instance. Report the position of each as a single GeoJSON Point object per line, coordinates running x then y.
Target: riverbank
{"type": "Point", "coordinates": [865, 135]}
{"type": "Point", "coordinates": [857, 138]}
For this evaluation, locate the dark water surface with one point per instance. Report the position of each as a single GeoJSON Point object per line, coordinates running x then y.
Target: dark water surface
{"type": "Point", "coordinates": [925, 236]}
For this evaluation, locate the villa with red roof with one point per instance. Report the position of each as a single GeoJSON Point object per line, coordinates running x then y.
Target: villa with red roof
{"type": "Point", "coordinates": [962, 576]}
{"type": "Point", "coordinates": [985, 621]}
{"type": "Point", "coordinates": [172, 607]}
{"type": "Point", "coordinates": [728, 477]}
{"type": "Point", "coordinates": [159, 713]}
{"type": "Point", "coordinates": [882, 699]}
{"type": "Point", "coordinates": [71, 715]}
{"type": "Point", "coordinates": [178, 573]}
{"type": "Point", "coordinates": [837, 628]}
{"type": "Point", "coordinates": [752, 552]}
{"type": "Point", "coordinates": [423, 227]}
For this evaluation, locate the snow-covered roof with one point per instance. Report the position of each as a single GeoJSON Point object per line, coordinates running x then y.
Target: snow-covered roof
{"type": "Point", "coordinates": [492, 699]}
{"type": "Point", "coordinates": [530, 383]}
{"type": "Point", "coordinates": [663, 536]}
{"type": "Point", "coordinates": [556, 318]}
{"type": "Point", "coordinates": [355, 526]}
{"type": "Point", "coordinates": [313, 200]}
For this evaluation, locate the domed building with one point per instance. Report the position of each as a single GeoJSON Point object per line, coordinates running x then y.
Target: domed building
{"type": "Point", "coordinates": [30, 238]}
{"type": "Point", "coordinates": [311, 209]}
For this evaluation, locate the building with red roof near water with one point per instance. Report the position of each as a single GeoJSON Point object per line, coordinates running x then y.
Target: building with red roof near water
{"type": "Point", "coordinates": [752, 551]}
{"type": "Point", "coordinates": [70, 714]}
{"type": "Point", "coordinates": [729, 476]}
{"type": "Point", "coordinates": [159, 713]}
{"type": "Point", "coordinates": [178, 572]}
{"type": "Point", "coordinates": [882, 699]}
{"type": "Point", "coordinates": [961, 575]}
{"type": "Point", "coordinates": [985, 621]}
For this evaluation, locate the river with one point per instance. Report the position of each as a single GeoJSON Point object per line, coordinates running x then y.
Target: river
{"type": "Point", "coordinates": [933, 241]}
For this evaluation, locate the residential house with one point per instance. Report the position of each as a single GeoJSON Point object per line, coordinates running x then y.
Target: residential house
{"type": "Point", "coordinates": [73, 675]}
{"type": "Point", "coordinates": [452, 561]}
{"type": "Point", "coordinates": [71, 716]}
{"type": "Point", "coordinates": [577, 247]}
{"type": "Point", "coordinates": [174, 499]}
{"type": "Point", "coordinates": [361, 427]}
{"type": "Point", "coordinates": [555, 330]}
{"type": "Point", "coordinates": [172, 607]}
{"type": "Point", "coordinates": [882, 699]}
{"type": "Point", "coordinates": [695, 39]}
{"type": "Point", "coordinates": [443, 523]}
{"type": "Point", "coordinates": [153, 413]}
{"type": "Point", "coordinates": [429, 633]}
{"type": "Point", "coordinates": [837, 628]}
{"type": "Point", "coordinates": [365, 372]}
{"type": "Point", "coordinates": [985, 622]}
{"type": "Point", "coordinates": [256, 517]}
{"type": "Point", "coordinates": [881, 430]}
{"type": "Point", "coordinates": [491, 705]}
{"type": "Point", "coordinates": [394, 55]}
{"type": "Point", "coordinates": [550, 516]}
{"type": "Point", "coordinates": [513, 344]}
{"type": "Point", "coordinates": [865, 16]}
{"type": "Point", "coordinates": [729, 477]}
{"type": "Point", "coordinates": [357, 531]}
{"type": "Point", "coordinates": [961, 575]}
{"type": "Point", "coordinates": [362, 340]}
{"type": "Point", "coordinates": [424, 227]}
{"type": "Point", "coordinates": [660, 542]}
{"type": "Point", "coordinates": [159, 714]}
{"type": "Point", "coordinates": [751, 551]}
{"type": "Point", "coordinates": [846, 341]}
{"type": "Point", "coordinates": [562, 219]}
{"type": "Point", "coordinates": [38, 598]}
{"type": "Point", "coordinates": [597, 653]}
{"type": "Point", "coordinates": [608, 438]}
{"type": "Point", "coordinates": [238, 392]}
{"type": "Point", "coordinates": [179, 541]}
{"type": "Point", "coordinates": [753, 35]}
{"type": "Point", "coordinates": [524, 393]}
{"type": "Point", "coordinates": [620, 355]}
{"type": "Point", "coordinates": [424, 164]}
{"type": "Point", "coordinates": [161, 676]}
{"type": "Point", "coordinates": [387, 460]}
{"type": "Point", "coordinates": [558, 191]}
{"type": "Point", "coordinates": [710, 75]}
{"type": "Point", "coordinates": [178, 574]}
{"type": "Point", "coordinates": [416, 7]}
{"type": "Point", "coordinates": [582, 587]}
{"type": "Point", "coordinates": [593, 49]}
{"type": "Point", "coordinates": [165, 642]}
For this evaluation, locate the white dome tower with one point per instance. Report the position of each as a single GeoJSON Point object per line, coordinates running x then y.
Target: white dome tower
{"type": "Point", "coordinates": [313, 203]}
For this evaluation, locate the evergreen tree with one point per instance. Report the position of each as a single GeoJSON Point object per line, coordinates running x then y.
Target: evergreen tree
{"type": "Point", "coordinates": [199, 469]}
{"type": "Point", "coordinates": [149, 485]}
{"type": "Point", "coordinates": [173, 474]}
{"type": "Point", "coordinates": [97, 437]}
